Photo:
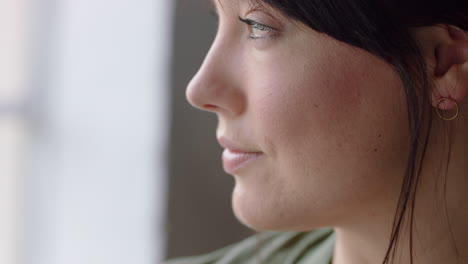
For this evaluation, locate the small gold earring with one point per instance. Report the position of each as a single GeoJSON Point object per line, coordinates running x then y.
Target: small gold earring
{"type": "Point", "coordinates": [440, 115]}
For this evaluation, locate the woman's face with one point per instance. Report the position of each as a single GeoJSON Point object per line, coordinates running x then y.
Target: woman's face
{"type": "Point", "coordinates": [329, 118]}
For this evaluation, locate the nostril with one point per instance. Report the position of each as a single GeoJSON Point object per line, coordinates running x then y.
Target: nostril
{"type": "Point", "coordinates": [209, 107]}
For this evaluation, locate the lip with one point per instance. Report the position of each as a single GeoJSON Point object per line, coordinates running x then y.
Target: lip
{"type": "Point", "coordinates": [235, 156]}
{"type": "Point", "coordinates": [234, 161]}
{"type": "Point", "coordinates": [233, 146]}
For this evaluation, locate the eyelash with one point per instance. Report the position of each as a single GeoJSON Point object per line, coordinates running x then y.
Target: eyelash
{"type": "Point", "coordinates": [251, 23]}
{"type": "Point", "coordinates": [259, 26]}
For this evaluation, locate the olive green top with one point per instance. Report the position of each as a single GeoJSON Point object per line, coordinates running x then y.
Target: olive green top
{"type": "Point", "coordinates": [276, 247]}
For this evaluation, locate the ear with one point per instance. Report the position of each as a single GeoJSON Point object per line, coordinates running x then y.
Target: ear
{"type": "Point", "coordinates": [445, 49]}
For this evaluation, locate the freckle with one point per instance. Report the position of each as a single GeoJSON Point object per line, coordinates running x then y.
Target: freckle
{"type": "Point", "coordinates": [340, 145]}
{"type": "Point", "coordinates": [380, 135]}
{"type": "Point", "coordinates": [316, 105]}
{"type": "Point", "coordinates": [375, 150]}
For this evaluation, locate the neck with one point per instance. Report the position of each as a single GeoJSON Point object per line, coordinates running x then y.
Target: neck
{"type": "Point", "coordinates": [440, 229]}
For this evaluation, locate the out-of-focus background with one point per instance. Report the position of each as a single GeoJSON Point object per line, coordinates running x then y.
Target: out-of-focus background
{"type": "Point", "coordinates": [102, 159]}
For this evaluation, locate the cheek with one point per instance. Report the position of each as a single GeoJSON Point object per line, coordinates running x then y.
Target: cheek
{"type": "Point", "coordinates": [301, 104]}
{"type": "Point", "coordinates": [336, 127]}
{"type": "Point", "coordinates": [337, 103]}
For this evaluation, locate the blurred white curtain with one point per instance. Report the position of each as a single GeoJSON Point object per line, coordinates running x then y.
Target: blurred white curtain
{"type": "Point", "coordinates": [13, 133]}
{"type": "Point", "coordinates": [96, 175]}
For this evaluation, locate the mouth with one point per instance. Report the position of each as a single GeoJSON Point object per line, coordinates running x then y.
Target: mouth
{"type": "Point", "coordinates": [234, 160]}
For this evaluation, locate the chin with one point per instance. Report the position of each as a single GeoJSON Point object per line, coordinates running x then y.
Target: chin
{"type": "Point", "coordinates": [258, 216]}
{"type": "Point", "coordinates": [251, 213]}
{"type": "Point", "coordinates": [262, 218]}
{"type": "Point", "coordinates": [253, 220]}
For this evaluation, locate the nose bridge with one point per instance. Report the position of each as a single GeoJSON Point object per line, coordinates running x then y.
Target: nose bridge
{"type": "Point", "coordinates": [215, 86]}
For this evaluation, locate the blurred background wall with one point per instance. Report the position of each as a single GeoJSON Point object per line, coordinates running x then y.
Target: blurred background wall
{"type": "Point", "coordinates": [200, 217]}
{"type": "Point", "coordinates": [102, 159]}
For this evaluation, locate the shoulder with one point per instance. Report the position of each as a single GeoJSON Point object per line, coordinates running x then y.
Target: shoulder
{"type": "Point", "coordinates": [272, 247]}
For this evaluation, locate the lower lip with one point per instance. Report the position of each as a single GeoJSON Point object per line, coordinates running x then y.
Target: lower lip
{"type": "Point", "coordinates": [234, 161]}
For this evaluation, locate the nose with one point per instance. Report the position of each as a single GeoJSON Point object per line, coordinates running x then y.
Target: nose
{"type": "Point", "coordinates": [217, 86]}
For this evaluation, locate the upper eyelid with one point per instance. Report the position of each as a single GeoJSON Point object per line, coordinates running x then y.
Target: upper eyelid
{"type": "Point", "coordinates": [253, 22]}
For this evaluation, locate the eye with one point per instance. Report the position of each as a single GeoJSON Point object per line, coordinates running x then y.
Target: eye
{"type": "Point", "coordinates": [258, 30]}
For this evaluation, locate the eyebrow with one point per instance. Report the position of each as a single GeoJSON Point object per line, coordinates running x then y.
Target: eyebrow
{"type": "Point", "coordinates": [212, 3]}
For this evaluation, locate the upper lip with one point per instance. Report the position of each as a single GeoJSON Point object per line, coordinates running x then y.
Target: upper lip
{"type": "Point", "coordinates": [234, 146]}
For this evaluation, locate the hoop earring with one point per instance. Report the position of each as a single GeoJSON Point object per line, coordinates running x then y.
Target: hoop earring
{"type": "Point", "coordinates": [440, 115]}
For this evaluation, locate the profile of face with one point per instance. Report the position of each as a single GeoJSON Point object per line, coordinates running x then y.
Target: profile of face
{"type": "Point", "coordinates": [329, 119]}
